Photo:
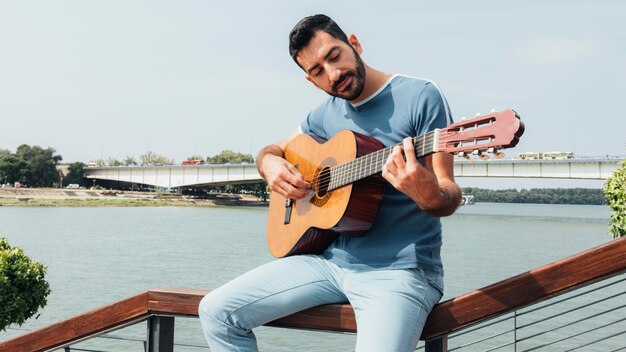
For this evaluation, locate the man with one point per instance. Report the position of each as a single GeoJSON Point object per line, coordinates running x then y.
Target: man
{"type": "Point", "coordinates": [392, 275]}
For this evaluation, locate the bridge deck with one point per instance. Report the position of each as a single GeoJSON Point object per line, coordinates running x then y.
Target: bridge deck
{"type": "Point", "coordinates": [175, 176]}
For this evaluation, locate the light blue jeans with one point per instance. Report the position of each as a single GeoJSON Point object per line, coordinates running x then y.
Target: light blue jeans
{"type": "Point", "coordinates": [390, 306]}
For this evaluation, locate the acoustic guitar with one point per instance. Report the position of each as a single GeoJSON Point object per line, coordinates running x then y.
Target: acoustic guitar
{"type": "Point", "coordinates": [346, 187]}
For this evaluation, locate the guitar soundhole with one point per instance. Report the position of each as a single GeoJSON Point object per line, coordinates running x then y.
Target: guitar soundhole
{"type": "Point", "coordinates": [322, 182]}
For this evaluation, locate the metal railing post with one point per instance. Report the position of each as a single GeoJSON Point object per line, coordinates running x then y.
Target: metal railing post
{"type": "Point", "coordinates": [439, 344]}
{"type": "Point", "coordinates": [160, 334]}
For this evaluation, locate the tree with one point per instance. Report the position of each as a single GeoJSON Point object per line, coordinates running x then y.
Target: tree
{"type": "Point", "coordinates": [152, 158]}
{"type": "Point", "coordinates": [195, 157]}
{"type": "Point", "coordinates": [114, 162]}
{"type": "Point", "coordinates": [75, 174]}
{"type": "Point", "coordinates": [42, 164]}
{"type": "Point", "coordinates": [98, 162]}
{"type": "Point", "coordinates": [229, 156]}
{"type": "Point", "coordinates": [23, 288]}
{"type": "Point", "coordinates": [13, 169]}
{"type": "Point", "coordinates": [615, 194]}
{"type": "Point", "coordinates": [130, 161]}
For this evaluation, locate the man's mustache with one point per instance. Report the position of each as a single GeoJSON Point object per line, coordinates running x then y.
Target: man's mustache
{"type": "Point", "coordinates": [341, 79]}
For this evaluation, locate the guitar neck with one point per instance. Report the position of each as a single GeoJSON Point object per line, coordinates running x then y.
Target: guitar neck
{"type": "Point", "coordinates": [372, 164]}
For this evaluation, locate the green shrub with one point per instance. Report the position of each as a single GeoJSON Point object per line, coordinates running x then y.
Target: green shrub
{"type": "Point", "coordinates": [23, 289]}
{"type": "Point", "coordinates": [615, 193]}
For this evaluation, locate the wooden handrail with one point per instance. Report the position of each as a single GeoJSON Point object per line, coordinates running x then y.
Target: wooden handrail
{"type": "Point", "coordinates": [536, 285]}
{"type": "Point", "coordinates": [80, 327]}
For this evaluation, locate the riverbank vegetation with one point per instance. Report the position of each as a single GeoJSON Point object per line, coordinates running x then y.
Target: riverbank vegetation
{"type": "Point", "coordinates": [538, 195]}
{"type": "Point", "coordinates": [615, 192]}
{"type": "Point", "coordinates": [23, 287]}
{"type": "Point", "coordinates": [29, 165]}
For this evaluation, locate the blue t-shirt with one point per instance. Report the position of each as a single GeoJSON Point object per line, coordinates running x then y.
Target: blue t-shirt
{"type": "Point", "coordinates": [402, 236]}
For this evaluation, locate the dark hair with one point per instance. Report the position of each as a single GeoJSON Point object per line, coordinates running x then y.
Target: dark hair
{"type": "Point", "coordinates": [303, 31]}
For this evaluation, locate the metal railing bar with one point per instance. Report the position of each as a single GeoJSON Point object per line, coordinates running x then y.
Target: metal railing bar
{"type": "Point", "coordinates": [481, 340]}
{"type": "Point", "coordinates": [572, 310]}
{"type": "Point", "coordinates": [100, 333]}
{"type": "Point", "coordinates": [84, 350]}
{"type": "Point", "coordinates": [105, 336]}
{"type": "Point", "coordinates": [498, 347]}
{"type": "Point", "coordinates": [191, 345]}
{"type": "Point", "coordinates": [570, 297]}
{"type": "Point", "coordinates": [596, 341]}
{"type": "Point", "coordinates": [619, 349]}
{"type": "Point", "coordinates": [420, 348]}
{"type": "Point", "coordinates": [572, 323]}
{"type": "Point", "coordinates": [19, 329]}
{"type": "Point", "coordinates": [582, 333]}
{"type": "Point", "coordinates": [467, 331]}
{"type": "Point", "coordinates": [119, 337]}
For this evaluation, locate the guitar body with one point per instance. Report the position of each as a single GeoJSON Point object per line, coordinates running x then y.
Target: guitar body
{"type": "Point", "coordinates": [310, 224]}
{"type": "Point", "coordinates": [346, 185]}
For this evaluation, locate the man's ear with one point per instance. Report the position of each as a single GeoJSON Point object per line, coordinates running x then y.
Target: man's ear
{"type": "Point", "coordinates": [354, 41]}
{"type": "Point", "coordinates": [308, 78]}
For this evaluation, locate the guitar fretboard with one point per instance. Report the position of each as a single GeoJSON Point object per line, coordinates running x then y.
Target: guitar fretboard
{"type": "Point", "coordinates": [372, 164]}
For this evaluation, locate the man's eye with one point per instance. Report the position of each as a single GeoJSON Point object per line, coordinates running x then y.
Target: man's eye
{"type": "Point", "coordinates": [335, 58]}
{"type": "Point", "coordinates": [317, 72]}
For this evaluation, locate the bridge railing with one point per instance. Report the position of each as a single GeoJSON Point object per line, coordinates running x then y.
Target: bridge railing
{"type": "Point", "coordinates": [459, 323]}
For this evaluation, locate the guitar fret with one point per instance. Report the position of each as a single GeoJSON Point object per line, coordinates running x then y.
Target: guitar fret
{"type": "Point", "coordinates": [361, 168]}
{"type": "Point", "coordinates": [372, 163]}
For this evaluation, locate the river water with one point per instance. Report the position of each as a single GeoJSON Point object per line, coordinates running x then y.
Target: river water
{"type": "Point", "coordinates": [96, 256]}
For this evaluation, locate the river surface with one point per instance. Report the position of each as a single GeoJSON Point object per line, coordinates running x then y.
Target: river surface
{"type": "Point", "coordinates": [96, 256]}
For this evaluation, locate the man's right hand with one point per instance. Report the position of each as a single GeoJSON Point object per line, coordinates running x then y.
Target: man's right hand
{"type": "Point", "coordinates": [282, 177]}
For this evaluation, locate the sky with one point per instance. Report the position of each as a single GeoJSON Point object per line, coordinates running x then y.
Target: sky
{"type": "Point", "coordinates": [101, 79]}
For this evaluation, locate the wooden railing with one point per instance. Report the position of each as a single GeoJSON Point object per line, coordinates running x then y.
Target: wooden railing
{"type": "Point", "coordinates": [474, 307]}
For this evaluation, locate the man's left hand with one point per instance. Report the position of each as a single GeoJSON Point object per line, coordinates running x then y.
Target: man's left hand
{"type": "Point", "coordinates": [418, 182]}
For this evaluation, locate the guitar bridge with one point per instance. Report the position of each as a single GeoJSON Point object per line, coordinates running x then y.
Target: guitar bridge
{"type": "Point", "coordinates": [288, 207]}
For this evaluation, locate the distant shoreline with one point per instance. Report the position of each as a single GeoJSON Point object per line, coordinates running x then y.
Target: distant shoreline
{"type": "Point", "coordinates": [57, 197]}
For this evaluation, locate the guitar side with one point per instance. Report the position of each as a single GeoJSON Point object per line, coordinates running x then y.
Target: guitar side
{"type": "Point", "coordinates": [315, 221]}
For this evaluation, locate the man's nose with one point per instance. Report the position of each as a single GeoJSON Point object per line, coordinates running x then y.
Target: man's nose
{"type": "Point", "coordinates": [333, 73]}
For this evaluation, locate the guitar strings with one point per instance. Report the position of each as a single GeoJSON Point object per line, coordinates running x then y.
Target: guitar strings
{"type": "Point", "coordinates": [350, 169]}
{"type": "Point", "coordinates": [346, 172]}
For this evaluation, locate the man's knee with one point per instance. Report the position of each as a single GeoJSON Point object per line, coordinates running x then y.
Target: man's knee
{"type": "Point", "coordinates": [210, 310]}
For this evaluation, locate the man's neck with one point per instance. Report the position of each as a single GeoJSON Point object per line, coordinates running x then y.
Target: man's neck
{"type": "Point", "coordinates": [374, 79]}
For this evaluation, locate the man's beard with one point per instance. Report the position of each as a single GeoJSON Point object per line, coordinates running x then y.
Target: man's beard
{"type": "Point", "coordinates": [355, 87]}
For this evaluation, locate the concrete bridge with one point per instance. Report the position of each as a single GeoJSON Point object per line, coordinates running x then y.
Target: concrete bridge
{"type": "Point", "coordinates": [584, 168]}
{"type": "Point", "coordinates": [178, 176]}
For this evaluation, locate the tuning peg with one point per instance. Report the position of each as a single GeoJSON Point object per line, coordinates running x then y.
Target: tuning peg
{"type": "Point", "coordinates": [477, 114]}
{"type": "Point", "coordinates": [463, 155]}
{"type": "Point", "coordinates": [463, 118]}
{"type": "Point", "coordinates": [493, 110]}
{"type": "Point", "coordinates": [480, 154]}
{"type": "Point", "coordinates": [498, 155]}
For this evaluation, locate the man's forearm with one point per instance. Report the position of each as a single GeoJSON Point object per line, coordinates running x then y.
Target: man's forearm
{"type": "Point", "coordinates": [272, 149]}
{"type": "Point", "coordinates": [451, 195]}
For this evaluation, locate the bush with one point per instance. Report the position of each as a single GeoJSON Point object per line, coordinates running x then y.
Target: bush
{"type": "Point", "coordinates": [23, 289]}
{"type": "Point", "coordinates": [615, 193]}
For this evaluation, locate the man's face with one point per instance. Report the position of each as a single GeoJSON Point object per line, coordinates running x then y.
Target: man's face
{"type": "Point", "coordinates": [333, 66]}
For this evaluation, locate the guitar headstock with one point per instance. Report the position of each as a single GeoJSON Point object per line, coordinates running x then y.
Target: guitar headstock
{"type": "Point", "coordinates": [482, 134]}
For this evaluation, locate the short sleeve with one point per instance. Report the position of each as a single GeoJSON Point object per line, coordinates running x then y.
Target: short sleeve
{"type": "Point", "coordinates": [432, 110]}
{"type": "Point", "coordinates": [313, 125]}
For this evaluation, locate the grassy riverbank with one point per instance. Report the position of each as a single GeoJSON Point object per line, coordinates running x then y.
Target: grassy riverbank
{"type": "Point", "coordinates": [50, 197]}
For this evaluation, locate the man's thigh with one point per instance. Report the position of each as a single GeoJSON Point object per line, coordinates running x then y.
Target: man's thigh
{"type": "Point", "coordinates": [273, 290]}
{"type": "Point", "coordinates": [391, 307]}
